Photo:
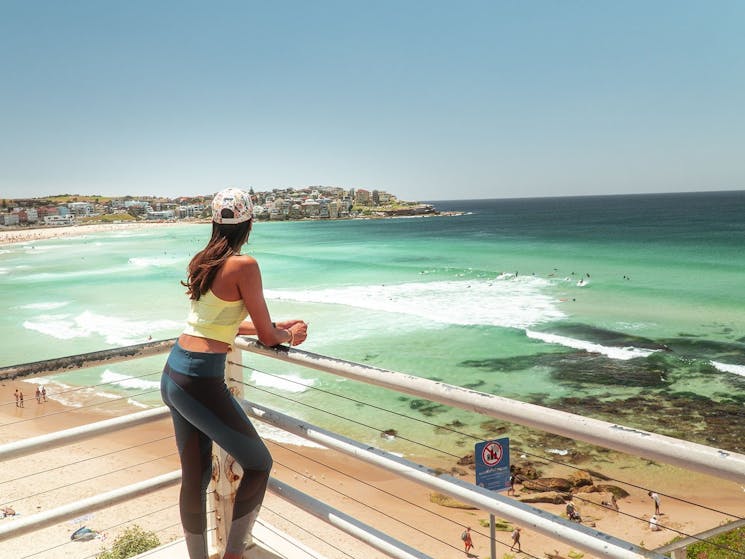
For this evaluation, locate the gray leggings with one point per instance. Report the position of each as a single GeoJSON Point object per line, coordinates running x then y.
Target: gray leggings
{"type": "Point", "coordinates": [203, 411]}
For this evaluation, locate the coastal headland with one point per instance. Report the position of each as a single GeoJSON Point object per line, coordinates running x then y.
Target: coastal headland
{"type": "Point", "coordinates": [317, 202]}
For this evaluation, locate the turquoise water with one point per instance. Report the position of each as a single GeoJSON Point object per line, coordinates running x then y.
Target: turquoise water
{"type": "Point", "coordinates": [626, 308]}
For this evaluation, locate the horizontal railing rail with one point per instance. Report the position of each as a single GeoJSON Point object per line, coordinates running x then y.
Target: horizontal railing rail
{"type": "Point", "coordinates": [83, 360]}
{"type": "Point", "coordinates": [584, 537]}
{"type": "Point", "coordinates": [691, 456]}
{"type": "Point", "coordinates": [34, 522]}
{"type": "Point", "coordinates": [359, 530]}
{"type": "Point", "coordinates": [346, 523]}
{"type": "Point", "coordinates": [681, 544]}
{"type": "Point", "coordinates": [32, 445]}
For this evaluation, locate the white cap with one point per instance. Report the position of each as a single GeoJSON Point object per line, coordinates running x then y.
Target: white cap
{"type": "Point", "coordinates": [235, 200]}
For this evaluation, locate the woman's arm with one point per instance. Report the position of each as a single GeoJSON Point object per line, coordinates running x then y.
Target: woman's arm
{"type": "Point", "coordinates": [252, 293]}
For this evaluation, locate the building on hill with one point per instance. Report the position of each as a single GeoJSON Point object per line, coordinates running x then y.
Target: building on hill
{"type": "Point", "coordinates": [59, 219]}
{"type": "Point", "coordinates": [362, 197]}
{"type": "Point", "coordinates": [9, 219]}
{"type": "Point", "coordinates": [80, 208]}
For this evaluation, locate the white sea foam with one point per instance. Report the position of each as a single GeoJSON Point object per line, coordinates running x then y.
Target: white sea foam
{"type": "Point", "coordinates": [505, 301]}
{"type": "Point", "coordinates": [43, 380]}
{"type": "Point", "coordinates": [81, 396]}
{"type": "Point", "coordinates": [622, 353]}
{"type": "Point", "coordinates": [38, 249]}
{"type": "Point", "coordinates": [727, 368]}
{"type": "Point", "coordinates": [107, 395]}
{"type": "Point", "coordinates": [74, 274]}
{"type": "Point", "coordinates": [116, 331]}
{"type": "Point", "coordinates": [77, 396]}
{"type": "Point", "coordinates": [276, 434]}
{"type": "Point", "coordinates": [62, 393]}
{"type": "Point", "coordinates": [286, 383]}
{"type": "Point", "coordinates": [48, 306]}
{"type": "Point", "coordinates": [112, 378]}
{"type": "Point", "coordinates": [559, 451]}
{"type": "Point", "coordinates": [128, 234]}
{"type": "Point", "coordinates": [137, 404]}
{"type": "Point", "coordinates": [153, 262]}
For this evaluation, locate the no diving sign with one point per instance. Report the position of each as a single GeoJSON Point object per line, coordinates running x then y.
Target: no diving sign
{"type": "Point", "coordinates": [491, 453]}
{"type": "Point", "coordinates": [492, 461]}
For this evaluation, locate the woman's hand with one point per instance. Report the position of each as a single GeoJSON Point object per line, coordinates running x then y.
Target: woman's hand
{"type": "Point", "coordinates": [298, 329]}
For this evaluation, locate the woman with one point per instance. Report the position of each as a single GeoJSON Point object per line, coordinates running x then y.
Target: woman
{"type": "Point", "coordinates": [224, 287]}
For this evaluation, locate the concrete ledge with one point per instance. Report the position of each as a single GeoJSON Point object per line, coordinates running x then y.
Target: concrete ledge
{"type": "Point", "coordinates": [271, 544]}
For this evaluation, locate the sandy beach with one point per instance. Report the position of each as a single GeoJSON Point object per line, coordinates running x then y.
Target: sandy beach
{"type": "Point", "coordinates": [26, 234]}
{"type": "Point", "coordinates": [43, 481]}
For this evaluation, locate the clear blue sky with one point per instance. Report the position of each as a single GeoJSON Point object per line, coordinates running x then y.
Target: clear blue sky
{"type": "Point", "coordinates": [426, 99]}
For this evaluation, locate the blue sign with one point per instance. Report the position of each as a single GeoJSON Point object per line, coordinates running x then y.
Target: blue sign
{"type": "Point", "coordinates": [492, 460]}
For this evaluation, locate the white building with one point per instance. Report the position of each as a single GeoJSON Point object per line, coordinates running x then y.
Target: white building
{"type": "Point", "coordinates": [59, 219]}
{"type": "Point", "coordinates": [190, 210]}
{"type": "Point", "coordinates": [9, 219]}
{"type": "Point", "coordinates": [80, 208]}
{"type": "Point", "coordinates": [32, 215]}
{"type": "Point", "coordinates": [162, 214]}
{"type": "Point", "coordinates": [311, 208]}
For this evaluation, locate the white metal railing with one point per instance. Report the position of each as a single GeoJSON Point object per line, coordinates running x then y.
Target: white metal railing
{"type": "Point", "coordinates": [688, 455]}
{"type": "Point", "coordinates": [584, 537]}
{"type": "Point", "coordinates": [691, 456]}
{"type": "Point", "coordinates": [31, 523]}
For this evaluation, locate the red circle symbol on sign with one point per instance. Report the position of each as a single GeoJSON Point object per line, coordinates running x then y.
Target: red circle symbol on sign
{"type": "Point", "coordinates": [491, 453]}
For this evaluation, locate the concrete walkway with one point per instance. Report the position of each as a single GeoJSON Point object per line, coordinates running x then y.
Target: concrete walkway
{"type": "Point", "coordinates": [271, 544]}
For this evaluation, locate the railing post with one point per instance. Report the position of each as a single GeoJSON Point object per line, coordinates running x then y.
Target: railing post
{"type": "Point", "coordinates": [492, 536]}
{"type": "Point", "coordinates": [226, 472]}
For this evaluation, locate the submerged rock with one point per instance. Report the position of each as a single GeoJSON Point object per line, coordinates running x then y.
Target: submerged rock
{"type": "Point", "coordinates": [619, 492]}
{"type": "Point", "coordinates": [553, 497]}
{"type": "Point", "coordinates": [548, 484]}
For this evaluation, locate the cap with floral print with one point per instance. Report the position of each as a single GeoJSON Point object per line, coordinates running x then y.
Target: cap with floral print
{"type": "Point", "coordinates": [235, 200]}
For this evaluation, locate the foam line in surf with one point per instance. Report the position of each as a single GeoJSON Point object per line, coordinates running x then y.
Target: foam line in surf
{"type": "Point", "coordinates": [622, 353]}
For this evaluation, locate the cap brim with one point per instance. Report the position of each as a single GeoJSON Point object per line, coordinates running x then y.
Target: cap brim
{"type": "Point", "coordinates": [232, 220]}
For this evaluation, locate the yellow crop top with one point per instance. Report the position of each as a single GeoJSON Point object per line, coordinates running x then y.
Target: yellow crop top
{"type": "Point", "coordinates": [214, 318]}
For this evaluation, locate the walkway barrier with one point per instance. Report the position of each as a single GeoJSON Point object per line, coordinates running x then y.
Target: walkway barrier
{"type": "Point", "coordinates": [692, 456]}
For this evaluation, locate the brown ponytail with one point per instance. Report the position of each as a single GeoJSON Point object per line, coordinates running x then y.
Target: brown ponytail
{"type": "Point", "coordinates": [226, 241]}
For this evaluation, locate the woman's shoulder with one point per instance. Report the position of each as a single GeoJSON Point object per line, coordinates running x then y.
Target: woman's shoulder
{"type": "Point", "coordinates": [242, 260]}
{"type": "Point", "coordinates": [240, 263]}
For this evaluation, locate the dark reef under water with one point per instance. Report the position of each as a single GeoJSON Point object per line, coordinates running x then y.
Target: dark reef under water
{"type": "Point", "coordinates": [601, 386]}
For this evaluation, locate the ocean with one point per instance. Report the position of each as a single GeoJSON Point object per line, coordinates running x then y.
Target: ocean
{"type": "Point", "coordinates": [630, 309]}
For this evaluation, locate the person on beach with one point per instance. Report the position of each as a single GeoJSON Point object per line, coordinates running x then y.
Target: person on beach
{"type": "Point", "coordinates": [225, 288]}
{"type": "Point", "coordinates": [467, 541]}
{"type": "Point", "coordinates": [572, 513]}
{"type": "Point", "coordinates": [653, 524]}
{"type": "Point", "coordinates": [656, 498]}
{"type": "Point", "coordinates": [38, 395]}
{"type": "Point", "coordinates": [18, 399]}
{"type": "Point", "coordinates": [513, 480]}
{"type": "Point", "coordinates": [516, 539]}
{"type": "Point", "coordinates": [44, 393]}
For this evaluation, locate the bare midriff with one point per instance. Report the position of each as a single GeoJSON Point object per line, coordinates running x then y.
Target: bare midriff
{"type": "Point", "coordinates": [202, 345]}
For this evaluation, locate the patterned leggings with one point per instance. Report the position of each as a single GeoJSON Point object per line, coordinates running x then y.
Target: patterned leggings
{"type": "Point", "coordinates": [203, 411]}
